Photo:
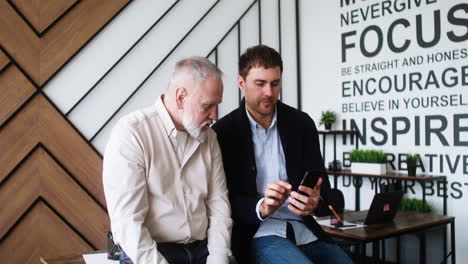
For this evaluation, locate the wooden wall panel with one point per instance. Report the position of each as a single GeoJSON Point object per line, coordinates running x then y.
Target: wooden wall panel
{"type": "Point", "coordinates": [15, 90]}
{"type": "Point", "coordinates": [42, 14]}
{"type": "Point", "coordinates": [44, 235]}
{"type": "Point", "coordinates": [50, 176]}
{"type": "Point", "coordinates": [40, 176]}
{"type": "Point", "coordinates": [4, 60]}
{"type": "Point", "coordinates": [30, 10]}
{"type": "Point", "coordinates": [19, 40]}
{"type": "Point", "coordinates": [39, 122]}
{"type": "Point", "coordinates": [60, 42]}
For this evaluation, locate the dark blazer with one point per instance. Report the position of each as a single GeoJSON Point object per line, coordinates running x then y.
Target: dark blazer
{"type": "Point", "coordinates": [300, 142]}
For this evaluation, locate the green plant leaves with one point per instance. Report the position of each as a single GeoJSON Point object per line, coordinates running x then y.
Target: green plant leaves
{"type": "Point", "coordinates": [412, 159]}
{"type": "Point", "coordinates": [414, 204]}
{"type": "Point", "coordinates": [368, 156]}
{"type": "Point", "coordinates": [328, 117]}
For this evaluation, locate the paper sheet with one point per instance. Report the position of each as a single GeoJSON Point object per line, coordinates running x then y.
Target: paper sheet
{"type": "Point", "coordinates": [98, 258]}
{"type": "Point", "coordinates": [347, 225]}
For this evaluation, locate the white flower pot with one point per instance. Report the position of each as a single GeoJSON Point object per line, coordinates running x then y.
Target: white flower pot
{"type": "Point", "coordinates": [368, 168]}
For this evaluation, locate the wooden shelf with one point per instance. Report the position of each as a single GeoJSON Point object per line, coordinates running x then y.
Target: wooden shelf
{"type": "Point", "coordinates": [337, 132]}
{"type": "Point", "coordinates": [400, 176]}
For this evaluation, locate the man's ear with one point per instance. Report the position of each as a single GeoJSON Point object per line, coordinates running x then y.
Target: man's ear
{"type": "Point", "coordinates": [181, 93]}
{"type": "Point", "coordinates": [241, 82]}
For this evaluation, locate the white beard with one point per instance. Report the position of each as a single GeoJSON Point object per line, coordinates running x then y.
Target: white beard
{"type": "Point", "coordinates": [193, 130]}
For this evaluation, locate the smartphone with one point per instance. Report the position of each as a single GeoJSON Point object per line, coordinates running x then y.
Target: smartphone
{"type": "Point", "coordinates": [310, 179]}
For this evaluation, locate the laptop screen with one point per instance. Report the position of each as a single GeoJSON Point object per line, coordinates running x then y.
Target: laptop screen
{"type": "Point", "coordinates": [383, 208]}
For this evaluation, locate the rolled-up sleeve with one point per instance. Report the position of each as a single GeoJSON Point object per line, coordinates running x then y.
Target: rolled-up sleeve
{"type": "Point", "coordinates": [125, 188]}
{"type": "Point", "coordinates": [219, 212]}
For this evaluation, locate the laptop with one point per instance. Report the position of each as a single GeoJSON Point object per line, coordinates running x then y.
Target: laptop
{"type": "Point", "coordinates": [383, 209]}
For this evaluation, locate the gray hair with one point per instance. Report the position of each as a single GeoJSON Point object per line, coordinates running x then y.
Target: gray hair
{"type": "Point", "coordinates": [200, 68]}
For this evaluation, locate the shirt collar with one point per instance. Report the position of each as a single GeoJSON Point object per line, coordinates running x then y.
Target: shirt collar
{"type": "Point", "coordinates": [165, 117]}
{"type": "Point", "coordinates": [255, 125]}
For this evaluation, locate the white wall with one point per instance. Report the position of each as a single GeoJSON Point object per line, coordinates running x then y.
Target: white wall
{"type": "Point", "coordinates": [323, 80]}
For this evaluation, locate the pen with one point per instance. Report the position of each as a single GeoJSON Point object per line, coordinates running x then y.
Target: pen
{"type": "Point", "coordinates": [336, 215]}
{"type": "Point", "coordinates": [340, 221]}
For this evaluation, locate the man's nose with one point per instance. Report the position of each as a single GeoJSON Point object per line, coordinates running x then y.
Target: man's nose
{"type": "Point", "coordinates": [214, 114]}
{"type": "Point", "coordinates": [268, 90]}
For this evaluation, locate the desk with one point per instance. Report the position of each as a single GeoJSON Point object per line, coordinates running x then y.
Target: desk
{"type": "Point", "coordinates": [421, 179]}
{"type": "Point", "coordinates": [404, 223]}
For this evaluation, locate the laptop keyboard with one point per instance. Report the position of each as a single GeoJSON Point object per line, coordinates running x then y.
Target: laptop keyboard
{"type": "Point", "coordinates": [356, 220]}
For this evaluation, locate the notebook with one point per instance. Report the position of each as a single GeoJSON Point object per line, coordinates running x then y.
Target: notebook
{"type": "Point", "coordinates": [383, 209]}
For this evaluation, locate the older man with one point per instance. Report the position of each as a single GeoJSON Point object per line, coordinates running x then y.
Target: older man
{"type": "Point", "coordinates": [163, 175]}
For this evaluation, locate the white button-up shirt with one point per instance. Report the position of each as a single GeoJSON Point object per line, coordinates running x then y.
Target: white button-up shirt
{"type": "Point", "coordinates": [153, 196]}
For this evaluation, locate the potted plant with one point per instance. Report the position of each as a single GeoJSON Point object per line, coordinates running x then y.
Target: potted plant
{"type": "Point", "coordinates": [414, 204]}
{"type": "Point", "coordinates": [368, 161]}
{"type": "Point", "coordinates": [412, 163]}
{"type": "Point", "coordinates": [327, 119]}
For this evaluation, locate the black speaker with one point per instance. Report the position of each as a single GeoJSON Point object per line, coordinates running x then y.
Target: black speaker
{"type": "Point", "coordinates": [391, 187]}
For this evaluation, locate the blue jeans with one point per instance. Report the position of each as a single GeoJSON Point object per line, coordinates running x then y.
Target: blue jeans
{"type": "Point", "coordinates": [193, 253]}
{"type": "Point", "coordinates": [278, 250]}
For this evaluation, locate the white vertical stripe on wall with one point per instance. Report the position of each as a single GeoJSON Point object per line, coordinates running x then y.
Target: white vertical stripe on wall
{"type": "Point", "coordinates": [270, 27]}
{"type": "Point", "coordinates": [82, 73]}
{"type": "Point", "coordinates": [318, 63]}
{"type": "Point", "coordinates": [124, 79]}
{"type": "Point", "coordinates": [98, 56]}
{"type": "Point", "coordinates": [249, 28]}
{"type": "Point", "coordinates": [200, 42]}
{"type": "Point", "coordinates": [288, 53]}
{"type": "Point", "coordinates": [227, 62]}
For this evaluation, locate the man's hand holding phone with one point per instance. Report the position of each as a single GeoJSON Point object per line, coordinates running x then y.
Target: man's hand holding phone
{"type": "Point", "coordinates": [276, 194]}
{"type": "Point", "coordinates": [306, 199]}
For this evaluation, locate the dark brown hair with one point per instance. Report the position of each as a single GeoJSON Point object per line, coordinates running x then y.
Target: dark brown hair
{"type": "Point", "coordinates": [259, 56]}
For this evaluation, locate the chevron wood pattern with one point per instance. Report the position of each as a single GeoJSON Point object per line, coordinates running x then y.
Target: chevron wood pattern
{"type": "Point", "coordinates": [41, 57]}
{"type": "Point", "coordinates": [41, 14]}
{"type": "Point", "coordinates": [16, 89]}
{"type": "Point", "coordinates": [41, 176]}
{"type": "Point", "coordinates": [50, 176]}
{"type": "Point", "coordinates": [40, 122]}
{"type": "Point", "coordinates": [44, 234]}
{"type": "Point", "coordinates": [69, 178]}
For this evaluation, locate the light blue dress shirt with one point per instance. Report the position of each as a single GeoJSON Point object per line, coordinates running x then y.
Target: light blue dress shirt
{"type": "Point", "coordinates": [271, 166]}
